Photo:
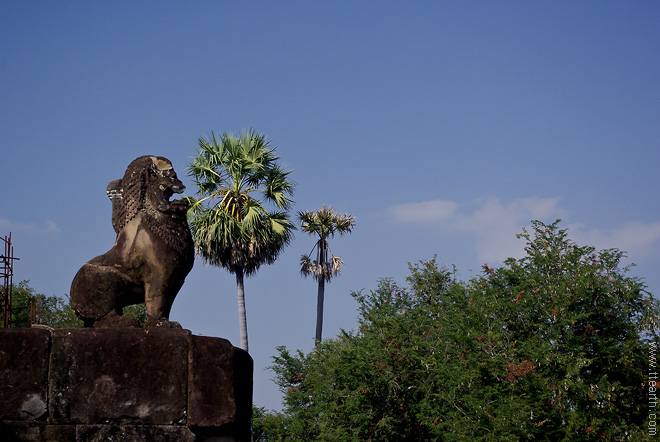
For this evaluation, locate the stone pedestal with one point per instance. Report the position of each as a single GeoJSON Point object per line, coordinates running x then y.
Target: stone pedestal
{"type": "Point", "coordinates": [122, 385]}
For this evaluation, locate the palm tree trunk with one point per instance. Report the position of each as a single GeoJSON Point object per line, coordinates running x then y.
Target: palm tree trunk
{"type": "Point", "coordinates": [242, 315]}
{"type": "Point", "coordinates": [322, 258]}
{"type": "Point", "coordinates": [319, 311]}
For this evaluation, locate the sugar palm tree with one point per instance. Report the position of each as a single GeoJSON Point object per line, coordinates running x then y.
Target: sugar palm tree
{"type": "Point", "coordinates": [240, 220]}
{"type": "Point", "coordinates": [323, 223]}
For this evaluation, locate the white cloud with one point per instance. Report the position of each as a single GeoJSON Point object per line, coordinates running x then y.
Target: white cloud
{"type": "Point", "coordinates": [427, 211]}
{"type": "Point", "coordinates": [492, 225]}
{"type": "Point", "coordinates": [7, 226]}
{"type": "Point", "coordinates": [637, 239]}
{"type": "Point", "coordinates": [495, 224]}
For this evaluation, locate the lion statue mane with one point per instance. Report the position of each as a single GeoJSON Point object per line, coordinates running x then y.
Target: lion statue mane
{"type": "Point", "coordinates": [152, 255]}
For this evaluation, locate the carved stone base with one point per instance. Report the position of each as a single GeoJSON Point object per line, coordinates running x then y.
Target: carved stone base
{"type": "Point", "coordinates": [122, 384]}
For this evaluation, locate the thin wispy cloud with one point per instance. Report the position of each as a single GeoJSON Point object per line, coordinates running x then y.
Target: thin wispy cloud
{"type": "Point", "coordinates": [426, 211]}
{"type": "Point", "coordinates": [638, 240]}
{"type": "Point", "coordinates": [7, 226]}
{"type": "Point", "coordinates": [492, 225]}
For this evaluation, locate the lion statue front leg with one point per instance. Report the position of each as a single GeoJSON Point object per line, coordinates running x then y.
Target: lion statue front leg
{"type": "Point", "coordinates": [94, 295]}
{"type": "Point", "coordinates": [158, 304]}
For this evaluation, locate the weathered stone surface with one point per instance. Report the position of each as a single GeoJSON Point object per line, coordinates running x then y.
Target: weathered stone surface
{"type": "Point", "coordinates": [132, 433]}
{"type": "Point", "coordinates": [243, 391]}
{"type": "Point", "coordinates": [225, 434]}
{"type": "Point", "coordinates": [59, 433]}
{"type": "Point", "coordinates": [152, 255]}
{"type": "Point", "coordinates": [205, 395]}
{"type": "Point", "coordinates": [21, 431]}
{"type": "Point", "coordinates": [123, 385]}
{"type": "Point", "coordinates": [24, 373]}
{"type": "Point", "coordinates": [121, 375]}
{"type": "Point", "coordinates": [35, 431]}
{"type": "Point", "coordinates": [220, 386]}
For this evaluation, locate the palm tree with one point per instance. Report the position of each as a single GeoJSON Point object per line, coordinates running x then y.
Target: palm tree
{"type": "Point", "coordinates": [237, 178]}
{"type": "Point", "coordinates": [324, 223]}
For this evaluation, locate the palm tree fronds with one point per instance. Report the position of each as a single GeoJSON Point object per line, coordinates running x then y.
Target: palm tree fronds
{"type": "Point", "coordinates": [336, 264]}
{"type": "Point", "coordinates": [237, 179]}
{"type": "Point", "coordinates": [306, 266]}
{"type": "Point", "coordinates": [320, 270]}
{"type": "Point", "coordinates": [326, 222]}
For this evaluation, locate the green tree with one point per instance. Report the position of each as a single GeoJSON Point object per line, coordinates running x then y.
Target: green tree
{"type": "Point", "coordinates": [266, 426]}
{"type": "Point", "coordinates": [382, 382]}
{"type": "Point", "coordinates": [323, 223]}
{"type": "Point", "coordinates": [233, 225]}
{"type": "Point", "coordinates": [550, 347]}
{"type": "Point", "coordinates": [28, 308]}
{"type": "Point", "coordinates": [575, 329]}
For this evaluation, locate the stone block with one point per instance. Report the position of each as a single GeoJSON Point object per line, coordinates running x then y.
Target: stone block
{"type": "Point", "coordinates": [21, 431]}
{"type": "Point", "coordinates": [35, 431]}
{"type": "Point", "coordinates": [243, 384]}
{"type": "Point", "coordinates": [133, 433]}
{"type": "Point", "coordinates": [24, 373]}
{"type": "Point", "coordinates": [59, 433]}
{"type": "Point", "coordinates": [102, 376]}
{"type": "Point", "coordinates": [214, 392]}
{"type": "Point", "coordinates": [122, 385]}
{"type": "Point", "coordinates": [219, 387]}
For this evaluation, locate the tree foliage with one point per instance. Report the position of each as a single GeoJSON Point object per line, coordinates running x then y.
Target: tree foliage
{"type": "Point", "coordinates": [237, 179]}
{"type": "Point", "coordinates": [28, 307]}
{"type": "Point", "coordinates": [553, 346]}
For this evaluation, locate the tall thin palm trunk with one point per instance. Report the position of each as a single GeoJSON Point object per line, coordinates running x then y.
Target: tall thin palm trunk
{"type": "Point", "coordinates": [322, 259]}
{"type": "Point", "coordinates": [319, 311]}
{"type": "Point", "coordinates": [242, 315]}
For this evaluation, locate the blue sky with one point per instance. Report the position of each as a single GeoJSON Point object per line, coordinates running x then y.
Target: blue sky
{"type": "Point", "coordinates": [443, 127]}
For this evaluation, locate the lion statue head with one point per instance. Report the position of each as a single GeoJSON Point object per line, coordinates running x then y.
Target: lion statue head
{"type": "Point", "coordinates": [146, 188]}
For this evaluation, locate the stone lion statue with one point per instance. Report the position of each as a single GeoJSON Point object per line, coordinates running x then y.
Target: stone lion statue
{"type": "Point", "coordinates": [151, 257]}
